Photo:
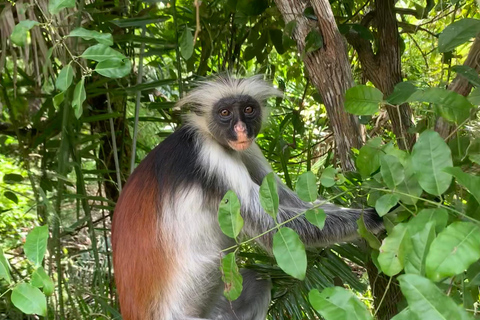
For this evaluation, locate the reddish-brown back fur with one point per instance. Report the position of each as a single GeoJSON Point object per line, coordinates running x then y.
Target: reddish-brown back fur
{"type": "Point", "coordinates": [139, 256]}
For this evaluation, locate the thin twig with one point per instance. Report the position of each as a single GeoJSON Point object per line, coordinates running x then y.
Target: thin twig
{"type": "Point", "coordinates": [197, 4]}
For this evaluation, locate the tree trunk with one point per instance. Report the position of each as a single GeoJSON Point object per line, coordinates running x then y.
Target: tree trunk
{"type": "Point", "coordinates": [383, 69]}
{"type": "Point", "coordinates": [461, 85]}
{"type": "Point", "coordinates": [328, 69]}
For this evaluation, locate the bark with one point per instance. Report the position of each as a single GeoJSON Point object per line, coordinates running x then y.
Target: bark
{"type": "Point", "coordinates": [329, 70]}
{"type": "Point", "coordinates": [461, 86]}
{"type": "Point", "coordinates": [383, 68]}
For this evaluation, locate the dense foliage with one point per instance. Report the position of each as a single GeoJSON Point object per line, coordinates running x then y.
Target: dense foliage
{"type": "Point", "coordinates": [87, 89]}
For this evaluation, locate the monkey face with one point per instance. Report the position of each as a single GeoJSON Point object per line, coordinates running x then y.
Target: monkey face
{"type": "Point", "coordinates": [236, 121]}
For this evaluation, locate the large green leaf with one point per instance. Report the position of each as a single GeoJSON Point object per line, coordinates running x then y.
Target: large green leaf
{"type": "Point", "coordinates": [101, 52]}
{"type": "Point", "coordinates": [114, 68]}
{"type": "Point", "coordinates": [327, 179]}
{"type": "Point", "coordinates": [36, 244]}
{"type": "Point", "coordinates": [316, 217]}
{"type": "Point", "coordinates": [392, 171]}
{"type": "Point", "coordinates": [394, 250]}
{"type": "Point", "coordinates": [20, 32]}
{"type": "Point", "coordinates": [401, 93]}
{"type": "Point", "coordinates": [409, 190]}
{"type": "Point", "coordinates": [231, 277]}
{"type": "Point", "coordinates": [306, 187]}
{"type": "Point", "coordinates": [406, 314]}
{"type": "Point", "coordinates": [430, 156]}
{"type": "Point", "coordinates": [368, 159]}
{"type": "Point", "coordinates": [79, 96]}
{"type": "Point", "coordinates": [454, 250]}
{"type": "Point", "coordinates": [4, 267]}
{"type": "Point", "coordinates": [449, 104]}
{"type": "Point", "coordinates": [269, 195]}
{"type": "Point", "coordinates": [385, 203]}
{"type": "Point", "coordinates": [186, 44]}
{"type": "Point", "coordinates": [103, 38]}
{"type": "Point", "coordinates": [229, 218]}
{"type": "Point", "coordinates": [29, 300]}
{"type": "Point", "coordinates": [65, 78]}
{"type": "Point", "coordinates": [289, 251]}
{"type": "Point", "coordinates": [470, 182]}
{"type": "Point", "coordinates": [313, 41]}
{"type": "Point", "coordinates": [439, 215]}
{"type": "Point", "coordinates": [458, 33]}
{"type": "Point", "coordinates": [55, 6]}
{"type": "Point", "coordinates": [363, 100]}
{"type": "Point", "coordinates": [338, 303]}
{"type": "Point", "coordinates": [40, 279]}
{"type": "Point", "coordinates": [427, 302]}
{"type": "Point", "coordinates": [421, 241]}
{"type": "Point", "coordinates": [468, 73]}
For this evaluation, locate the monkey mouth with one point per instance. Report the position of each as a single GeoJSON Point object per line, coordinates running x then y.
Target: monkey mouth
{"type": "Point", "coordinates": [240, 145]}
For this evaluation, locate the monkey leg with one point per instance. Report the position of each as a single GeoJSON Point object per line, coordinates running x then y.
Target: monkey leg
{"type": "Point", "coordinates": [252, 303]}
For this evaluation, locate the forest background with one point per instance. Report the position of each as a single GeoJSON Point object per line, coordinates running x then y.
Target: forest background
{"type": "Point", "coordinates": [380, 105]}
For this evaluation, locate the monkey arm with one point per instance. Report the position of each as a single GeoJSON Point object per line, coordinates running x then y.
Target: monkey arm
{"type": "Point", "coordinates": [340, 224]}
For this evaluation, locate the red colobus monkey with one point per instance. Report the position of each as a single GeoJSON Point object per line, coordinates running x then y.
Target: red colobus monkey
{"type": "Point", "coordinates": [165, 234]}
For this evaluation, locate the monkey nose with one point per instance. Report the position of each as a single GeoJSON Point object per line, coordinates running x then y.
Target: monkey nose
{"type": "Point", "coordinates": [240, 127]}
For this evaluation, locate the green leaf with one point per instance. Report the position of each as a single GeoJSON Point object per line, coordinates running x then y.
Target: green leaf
{"type": "Point", "coordinates": [186, 44]}
{"type": "Point", "coordinates": [468, 73]}
{"type": "Point", "coordinates": [79, 96]}
{"type": "Point", "coordinates": [40, 279]}
{"type": "Point", "coordinates": [4, 268]}
{"type": "Point", "coordinates": [368, 159]}
{"type": "Point", "coordinates": [101, 52]}
{"type": "Point", "coordinates": [20, 32]}
{"type": "Point", "coordinates": [58, 99]}
{"type": "Point", "coordinates": [252, 7]}
{"type": "Point", "coordinates": [363, 100]}
{"type": "Point", "coordinates": [29, 300]}
{"type": "Point", "coordinates": [327, 179]}
{"type": "Point", "coordinates": [454, 250]}
{"type": "Point", "coordinates": [458, 33]}
{"type": "Point", "coordinates": [394, 249]}
{"type": "Point", "coordinates": [430, 156]}
{"type": "Point", "coordinates": [401, 93]}
{"type": "Point", "coordinates": [229, 218]}
{"type": "Point", "coordinates": [11, 196]}
{"type": "Point", "coordinates": [313, 41]}
{"type": "Point", "coordinates": [114, 68]}
{"type": "Point", "coordinates": [449, 104]}
{"type": "Point", "coordinates": [406, 314]}
{"type": "Point", "coordinates": [231, 277]}
{"type": "Point", "coordinates": [269, 196]}
{"type": "Point", "coordinates": [12, 178]}
{"type": "Point", "coordinates": [316, 216]}
{"type": "Point", "coordinates": [36, 245]}
{"type": "Point", "coordinates": [338, 303]}
{"type": "Point", "coordinates": [103, 38]}
{"type": "Point", "coordinates": [439, 215]}
{"type": "Point", "coordinates": [470, 182]}
{"type": "Point", "coordinates": [64, 79]}
{"type": "Point", "coordinates": [474, 97]}
{"type": "Point", "coordinates": [289, 28]}
{"type": "Point", "coordinates": [392, 171]}
{"type": "Point", "coordinates": [306, 187]}
{"type": "Point", "coordinates": [55, 6]}
{"type": "Point", "coordinates": [367, 235]}
{"type": "Point", "coordinates": [421, 241]}
{"type": "Point", "coordinates": [289, 251]}
{"type": "Point", "coordinates": [409, 187]}
{"type": "Point", "coordinates": [385, 203]}
{"type": "Point", "coordinates": [426, 301]}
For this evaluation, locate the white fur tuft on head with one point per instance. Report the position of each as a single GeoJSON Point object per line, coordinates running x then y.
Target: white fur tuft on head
{"type": "Point", "coordinates": [208, 93]}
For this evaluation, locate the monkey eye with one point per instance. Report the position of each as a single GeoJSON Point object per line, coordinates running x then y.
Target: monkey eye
{"type": "Point", "coordinates": [248, 110]}
{"type": "Point", "coordinates": [225, 112]}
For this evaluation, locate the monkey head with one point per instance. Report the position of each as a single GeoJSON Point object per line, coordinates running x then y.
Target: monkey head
{"type": "Point", "coordinates": [229, 110]}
